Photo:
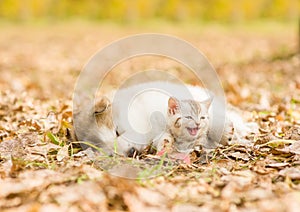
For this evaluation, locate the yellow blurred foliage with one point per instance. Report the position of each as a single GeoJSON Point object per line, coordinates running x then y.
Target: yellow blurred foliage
{"type": "Point", "coordinates": [132, 10]}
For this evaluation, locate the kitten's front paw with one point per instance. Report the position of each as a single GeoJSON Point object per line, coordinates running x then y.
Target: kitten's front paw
{"type": "Point", "coordinates": [164, 144]}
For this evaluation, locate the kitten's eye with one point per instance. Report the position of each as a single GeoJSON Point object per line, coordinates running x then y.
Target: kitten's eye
{"type": "Point", "coordinates": [202, 117]}
{"type": "Point", "coordinates": [189, 117]}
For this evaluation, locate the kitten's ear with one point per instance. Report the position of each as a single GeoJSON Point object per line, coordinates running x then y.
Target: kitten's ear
{"type": "Point", "coordinates": [173, 105]}
{"type": "Point", "coordinates": [207, 103]}
{"type": "Point", "coordinates": [101, 105]}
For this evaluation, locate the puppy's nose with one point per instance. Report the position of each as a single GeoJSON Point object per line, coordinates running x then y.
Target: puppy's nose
{"type": "Point", "coordinates": [132, 152]}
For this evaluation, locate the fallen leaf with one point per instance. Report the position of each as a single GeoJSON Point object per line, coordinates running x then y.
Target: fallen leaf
{"type": "Point", "coordinates": [292, 201]}
{"type": "Point", "coordinates": [258, 194]}
{"type": "Point", "coordinates": [277, 165]}
{"type": "Point", "coordinates": [278, 142]}
{"type": "Point", "coordinates": [295, 147]}
{"type": "Point", "coordinates": [62, 153]}
{"type": "Point", "coordinates": [239, 155]}
{"type": "Point", "coordinates": [292, 173]}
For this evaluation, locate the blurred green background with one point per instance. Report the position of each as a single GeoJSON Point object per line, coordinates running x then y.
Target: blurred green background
{"type": "Point", "coordinates": [127, 11]}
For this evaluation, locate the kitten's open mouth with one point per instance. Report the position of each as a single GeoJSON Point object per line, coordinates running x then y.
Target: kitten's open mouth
{"type": "Point", "coordinates": [193, 131]}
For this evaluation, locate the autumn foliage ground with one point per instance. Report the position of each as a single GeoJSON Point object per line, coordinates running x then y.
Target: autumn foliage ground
{"type": "Point", "coordinates": [41, 171]}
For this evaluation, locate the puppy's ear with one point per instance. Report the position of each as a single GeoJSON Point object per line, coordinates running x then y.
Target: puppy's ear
{"type": "Point", "coordinates": [101, 105]}
{"type": "Point", "coordinates": [173, 106]}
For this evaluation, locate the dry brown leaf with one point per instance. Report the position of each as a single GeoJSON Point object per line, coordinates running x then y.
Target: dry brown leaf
{"type": "Point", "coordinates": [186, 207]}
{"type": "Point", "coordinates": [295, 147]}
{"type": "Point", "coordinates": [134, 204]}
{"type": "Point", "coordinates": [63, 153]}
{"type": "Point", "coordinates": [258, 194]}
{"type": "Point", "coordinates": [88, 195]}
{"type": "Point", "coordinates": [277, 165]}
{"type": "Point", "coordinates": [292, 201]}
{"type": "Point", "coordinates": [292, 173]}
{"type": "Point", "coordinates": [151, 198]}
{"type": "Point", "coordinates": [239, 155]}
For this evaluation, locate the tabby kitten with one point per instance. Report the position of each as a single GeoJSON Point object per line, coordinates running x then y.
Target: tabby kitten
{"type": "Point", "coordinates": [189, 125]}
{"type": "Point", "coordinates": [188, 121]}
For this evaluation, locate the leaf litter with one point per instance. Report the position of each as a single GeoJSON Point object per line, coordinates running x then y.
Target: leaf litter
{"type": "Point", "coordinates": [42, 170]}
